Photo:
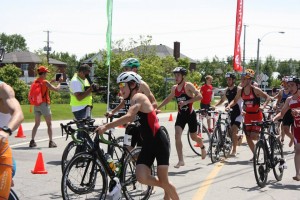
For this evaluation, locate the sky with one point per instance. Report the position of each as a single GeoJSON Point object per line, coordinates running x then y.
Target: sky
{"type": "Point", "coordinates": [204, 28]}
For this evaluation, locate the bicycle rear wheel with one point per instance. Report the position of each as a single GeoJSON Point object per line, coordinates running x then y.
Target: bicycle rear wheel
{"type": "Point", "coordinates": [215, 146]}
{"type": "Point", "coordinates": [278, 159]}
{"type": "Point", "coordinates": [12, 195]}
{"type": "Point", "coordinates": [260, 164]}
{"type": "Point", "coordinates": [227, 146]}
{"type": "Point", "coordinates": [204, 134]}
{"type": "Point", "coordinates": [132, 189]}
{"type": "Point", "coordinates": [84, 178]}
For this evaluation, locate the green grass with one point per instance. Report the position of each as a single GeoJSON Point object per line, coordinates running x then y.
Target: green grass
{"type": "Point", "coordinates": [63, 111]}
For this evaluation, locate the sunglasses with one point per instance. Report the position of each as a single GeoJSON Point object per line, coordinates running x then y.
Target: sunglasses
{"type": "Point", "coordinates": [122, 85]}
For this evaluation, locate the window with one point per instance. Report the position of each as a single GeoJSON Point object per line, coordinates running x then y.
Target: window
{"type": "Point", "coordinates": [24, 67]}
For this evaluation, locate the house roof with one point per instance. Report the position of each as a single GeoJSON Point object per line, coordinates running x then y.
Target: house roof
{"type": "Point", "coordinates": [27, 57]}
{"type": "Point", "coordinates": [159, 50]}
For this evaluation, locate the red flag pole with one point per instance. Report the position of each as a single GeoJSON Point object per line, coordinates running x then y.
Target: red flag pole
{"type": "Point", "coordinates": [238, 30]}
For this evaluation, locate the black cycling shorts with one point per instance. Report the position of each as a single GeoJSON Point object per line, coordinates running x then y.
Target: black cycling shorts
{"type": "Point", "coordinates": [184, 118]}
{"type": "Point", "coordinates": [206, 107]}
{"type": "Point", "coordinates": [288, 119]}
{"type": "Point", "coordinates": [156, 148]}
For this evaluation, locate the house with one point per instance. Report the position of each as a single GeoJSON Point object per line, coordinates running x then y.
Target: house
{"type": "Point", "coordinates": [27, 62]}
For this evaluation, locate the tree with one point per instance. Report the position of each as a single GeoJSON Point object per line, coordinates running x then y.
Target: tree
{"type": "Point", "coordinates": [20, 87]}
{"type": "Point", "coordinates": [12, 42]}
{"type": "Point", "coordinates": [71, 61]}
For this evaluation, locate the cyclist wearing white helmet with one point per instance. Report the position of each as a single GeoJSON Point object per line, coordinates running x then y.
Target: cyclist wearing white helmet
{"type": "Point", "coordinates": [293, 103]}
{"type": "Point", "coordinates": [185, 94]}
{"type": "Point", "coordinates": [251, 96]}
{"type": "Point", "coordinates": [132, 136]}
{"type": "Point", "coordinates": [236, 117]}
{"type": "Point", "coordinates": [143, 111]}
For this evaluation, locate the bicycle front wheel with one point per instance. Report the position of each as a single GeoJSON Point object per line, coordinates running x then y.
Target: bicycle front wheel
{"type": "Point", "coordinates": [132, 189]}
{"type": "Point", "coordinates": [278, 159]}
{"type": "Point", "coordinates": [260, 164]}
{"type": "Point", "coordinates": [204, 135]}
{"type": "Point", "coordinates": [84, 178]}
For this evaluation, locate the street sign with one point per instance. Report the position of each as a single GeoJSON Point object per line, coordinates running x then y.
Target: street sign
{"type": "Point", "coordinates": [169, 79]}
{"type": "Point", "coordinates": [265, 83]}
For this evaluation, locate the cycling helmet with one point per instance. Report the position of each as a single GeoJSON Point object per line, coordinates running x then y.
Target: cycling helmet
{"type": "Point", "coordinates": [180, 70]}
{"type": "Point", "coordinates": [230, 75]}
{"type": "Point", "coordinates": [130, 62]}
{"type": "Point", "coordinates": [249, 73]}
{"type": "Point", "coordinates": [126, 77]}
{"type": "Point", "coordinates": [294, 79]}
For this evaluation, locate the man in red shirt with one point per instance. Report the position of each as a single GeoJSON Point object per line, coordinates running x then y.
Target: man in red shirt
{"type": "Point", "coordinates": [207, 93]}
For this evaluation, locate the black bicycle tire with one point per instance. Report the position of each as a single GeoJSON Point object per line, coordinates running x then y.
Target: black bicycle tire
{"type": "Point", "coordinates": [99, 171]}
{"type": "Point", "coordinates": [215, 143]}
{"type": "Point", "coordinates": [128, 163]}
{"type": "Point", "coordinates": [228, 142]}
{"type": "Point", "coordinates": [65, 154]}
{"type": "Point", "coordinates": [13, 195]}
{"type": "Point", "coordinates": [276, 144]}
{"type": "Point", "coordinates": [192, 143]}
{"type": "Point", "coordinates": [261, 181]}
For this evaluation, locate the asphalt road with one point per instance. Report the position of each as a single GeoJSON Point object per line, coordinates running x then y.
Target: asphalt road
{"type": "Point", "coordinates": [232, 178]}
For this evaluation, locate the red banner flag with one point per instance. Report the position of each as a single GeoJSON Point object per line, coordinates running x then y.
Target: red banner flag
{"type": "Point", "coordinates": [238, 30]}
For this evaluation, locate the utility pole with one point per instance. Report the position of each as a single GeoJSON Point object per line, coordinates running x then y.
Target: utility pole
{"type": "Point", "coordinates": [47, 48]}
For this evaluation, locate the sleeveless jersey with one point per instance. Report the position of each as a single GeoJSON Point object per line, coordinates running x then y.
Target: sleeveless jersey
{"type": "Point", "coordinates": [284, 96]}
{"type": "Point", "coordinates": [230, 95]}
{"type": "Point", "coordinates": [147, 124]}
{"type": "Point", "coordinates": [182, 96]}
{"type": "Point", "coordinates": [251, 102]}
{"type": "Point", "coordinates": [295, 103]}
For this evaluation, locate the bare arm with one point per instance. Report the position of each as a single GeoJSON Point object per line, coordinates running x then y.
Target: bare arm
{"type": "Point", "coordinates": [262, 94]}
{"type": "Point", "coordinates": [284, 109]}
{"type": "Point", "coordinates": [11, 104]}
{"type": "Point", "coordinates": [52, 87]}
{"type": "Point", "coordinates": [223, 98]}
{"type": "Point", "coordinates": [197, 96]}
{"type": "Point", "coordinates": [118, 107]}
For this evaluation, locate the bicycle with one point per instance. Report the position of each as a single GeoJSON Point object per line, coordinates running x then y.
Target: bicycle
{"type": "Point", "coordinates": [85, 143]}
{"type": "Point", "coordinates": [268, 153]}
{"type": "Point", "coordinates": [202, 132]}
{"type": "Point", "coordinates": [86, 175]}
{"type": "Point", "coordinates": [221, 139]}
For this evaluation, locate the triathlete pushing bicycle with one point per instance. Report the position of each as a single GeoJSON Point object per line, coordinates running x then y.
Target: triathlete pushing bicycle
{"type": "Point", "coordinates": [155, 143]}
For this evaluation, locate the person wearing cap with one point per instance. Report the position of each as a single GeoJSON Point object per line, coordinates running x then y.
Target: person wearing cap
{"type": "Point", "coordinates": [293, 103]}
{"type": "Point", "coordinates": [251, 96]}
{"type": "Point", "coordinates": [207, 93]}
{"type": "Point", "coordinates": [81, 94]}
{"type": "Point", "coordinates": [44, 108]}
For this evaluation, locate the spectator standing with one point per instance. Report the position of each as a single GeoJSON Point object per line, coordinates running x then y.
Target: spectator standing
{"type": "Point", "coordinates": [44, 108]}
{"type": "Point", "coordinates": [207, 94]}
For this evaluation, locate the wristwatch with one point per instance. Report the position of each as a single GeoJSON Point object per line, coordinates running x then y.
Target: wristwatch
{"type": "Point", "coordinates": [7, 130]}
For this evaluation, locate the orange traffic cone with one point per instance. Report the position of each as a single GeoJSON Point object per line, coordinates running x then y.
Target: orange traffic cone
{"type": "Point", "coordinates": [171, 117]}
{"type": "Point", "coordinates": [39, 165]}
{"type": "Point", "coordinates": [20, 132]}
{"type": "Point", "coordinates": [121, 126]}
